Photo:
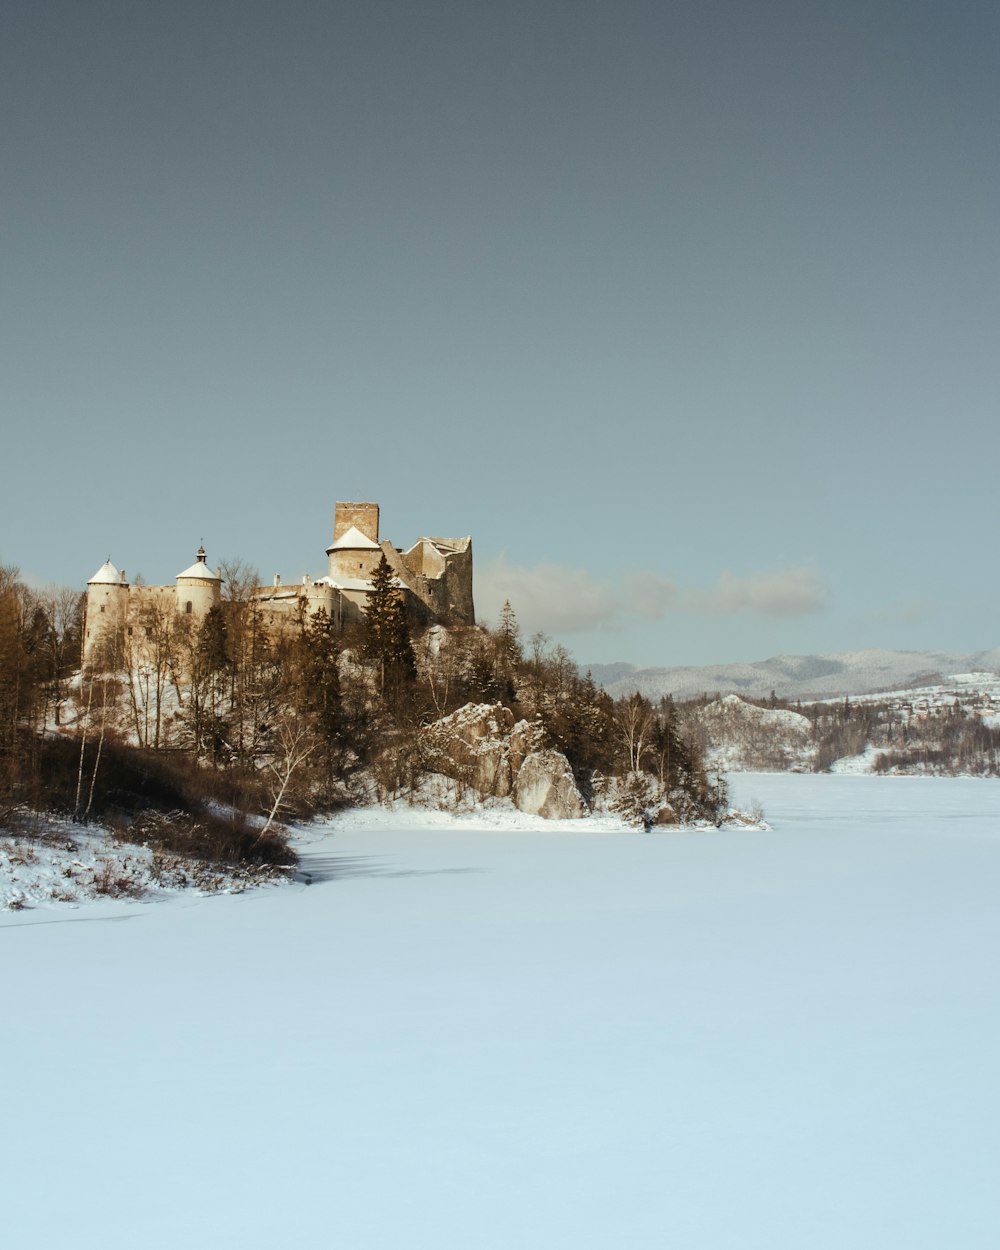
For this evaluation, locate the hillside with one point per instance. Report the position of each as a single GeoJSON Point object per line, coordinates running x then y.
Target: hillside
{"type": "Point", "coordinates": [947, 728]}
{"type": "Point", "coordinates": [796, 677]}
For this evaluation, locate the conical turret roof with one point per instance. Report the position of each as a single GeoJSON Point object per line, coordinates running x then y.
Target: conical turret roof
{"type": "Point", "coordinates": [353, 540]}
{"type": "Point", "coordinates": [105, 575]}
{"type": "Point", "coordinates": [200, 569]}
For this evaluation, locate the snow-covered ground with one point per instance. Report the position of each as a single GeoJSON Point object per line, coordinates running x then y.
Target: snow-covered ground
{"type": "Point", "coordinates": [974, 694]}
{"type": "Point", "coordinates": [58, 865]}
{"type": "Point", "coordinates": [560, 1038]}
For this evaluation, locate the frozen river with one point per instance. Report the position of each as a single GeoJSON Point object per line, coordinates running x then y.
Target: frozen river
{"type": "Point", "coordinates": [510, 1039]}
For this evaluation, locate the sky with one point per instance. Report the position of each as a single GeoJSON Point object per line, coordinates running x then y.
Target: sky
{"type": "Point", "coordinates": [686, 312]}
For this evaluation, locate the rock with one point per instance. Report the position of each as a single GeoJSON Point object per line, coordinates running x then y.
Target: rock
{"type": "Point", "coordinates": [525, 738]}
{"type": "Point", "coordinates": [471, 745]}
{"type": "Point", "coordinates": [545, 787]}
{"type": "Point", "coordinates": [480, 746]}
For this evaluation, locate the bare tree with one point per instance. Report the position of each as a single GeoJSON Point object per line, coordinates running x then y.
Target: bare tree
{"type": "Point", "coordinates": [293, 745]}
{"type": "Point", "coordinates": [635, 721]}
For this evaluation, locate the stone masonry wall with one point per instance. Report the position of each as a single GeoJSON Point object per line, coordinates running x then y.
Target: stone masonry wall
{"type": "Point", "coordinates": [364, 516]}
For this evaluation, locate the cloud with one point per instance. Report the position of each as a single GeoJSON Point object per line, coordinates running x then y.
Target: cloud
{"type": "Point", "coordinates": [557, 599]}
{"type": "Point", "coordinates": [789, 592]}
{"type": "Point", "coordinates": [649, 595]}
{"type": "Point", "coordinates": [548, 597]}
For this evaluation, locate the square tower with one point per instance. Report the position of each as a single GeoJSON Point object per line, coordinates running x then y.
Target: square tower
{"type": "Point", "coordinates": [361, 516]}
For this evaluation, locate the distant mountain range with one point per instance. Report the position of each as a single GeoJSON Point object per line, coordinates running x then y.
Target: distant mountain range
{"type": "Point", "coordinates": [797, 676]}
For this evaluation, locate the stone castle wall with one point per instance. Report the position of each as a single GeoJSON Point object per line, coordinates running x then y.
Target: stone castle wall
{"type": "Point", "coordinates": [363, 516]}
{"type": "Point", "coordinates": [435, 572]}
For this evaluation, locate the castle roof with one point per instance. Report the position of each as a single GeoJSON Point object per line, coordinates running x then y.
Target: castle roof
{"type": "Point", "coordinates": [105, 575]}
{"type": "Point", "coordinates": [200, 570]}
{"type": "Point", "coordinates": [355, 583]}
{"type": "Point", "coordinates": [353, 540]}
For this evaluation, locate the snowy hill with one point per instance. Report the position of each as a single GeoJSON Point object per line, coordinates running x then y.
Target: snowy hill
{"type": "Point", "coordinates": [793, 677]}
{"type": "Point", "coordinates": [741, 736]}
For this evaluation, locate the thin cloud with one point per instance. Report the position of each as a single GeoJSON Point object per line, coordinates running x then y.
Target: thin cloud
{"type": "Point", "coordinates": [549, 597]}
{"type": "Point", "coordinates": [788, 592]}
{"type": "Point", "coordinates": [649, 595]}
{"type": "Point", "coordinates": [557, 599]}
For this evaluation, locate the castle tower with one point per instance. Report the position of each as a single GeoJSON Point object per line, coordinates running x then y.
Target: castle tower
{"type": "Point", "coordinates": [107, 608]}
{"type": "Point", "coordinates": [354, 553]}
{"type": "Point", "coordinates": [198, 589]}
{"type": "Point", "coordinates": [362, 516]}
{"type": "Point", "coordinates": [321, 596]}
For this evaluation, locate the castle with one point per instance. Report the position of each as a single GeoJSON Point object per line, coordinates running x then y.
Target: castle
{"type": "Point", "coordinates": [433, 577]}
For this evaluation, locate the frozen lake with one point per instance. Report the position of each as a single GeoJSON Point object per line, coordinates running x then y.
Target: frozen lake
{"type": "Point", "coordinates": [493, 1038]}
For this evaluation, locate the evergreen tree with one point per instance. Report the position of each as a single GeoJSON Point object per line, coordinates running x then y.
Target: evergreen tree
{"type": "Point", "coordinates": [212, 643]}
{"type": "Point", "coordinates": [210, 664]}
{"type": "Point", "coordinates": [482, 677]}
{"type": "Point", "coordinates": [317, 676]}
{"type": "Point", "coordinates": [386, 635]}
{"type": "Point", "coordinates": [509, 652]}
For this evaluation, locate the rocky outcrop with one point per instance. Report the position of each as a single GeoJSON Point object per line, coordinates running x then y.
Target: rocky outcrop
{"type": "Point", "coordinates": [473, 746]}
{"type": "Point", "coordinates": [481, 746]}
{"type": "Point", "coordinates": [545, 787]}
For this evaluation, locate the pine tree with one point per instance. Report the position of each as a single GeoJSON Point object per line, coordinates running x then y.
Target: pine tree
{"type": "Point", "coordinates": [318, 674]}
{"type": "Point", "coordinates": [386, 636]}
{"type": "Point", "coordinates": [508, 652]}
{"type": "Point", "coordinates": [212, 642]}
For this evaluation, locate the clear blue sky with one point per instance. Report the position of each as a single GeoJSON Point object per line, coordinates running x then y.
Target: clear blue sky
{"type": "Point", "coordinates": [687, 312]}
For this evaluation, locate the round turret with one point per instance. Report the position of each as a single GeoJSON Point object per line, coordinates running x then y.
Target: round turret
{"type": "Point", "coordinates": [353, 556]}
{"type": "Point", "coordinates": [198, 589]}
{"type": "Point", "coordinates": [320, 596]}
{"type": "Point", "coordinates": [107, 607]}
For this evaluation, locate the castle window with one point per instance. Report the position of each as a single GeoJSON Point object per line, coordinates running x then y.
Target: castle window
{"type": "Point", "coordinates": [102, 607]}
{"type": "Point", "coordinates": [187, 607]}
{"type": "Point", "coordinates": [130, 631]}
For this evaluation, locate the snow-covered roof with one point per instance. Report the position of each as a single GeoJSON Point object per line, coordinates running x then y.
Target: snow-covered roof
{"type": "Point", "coordinates": [355, 583]}
{"type": "Point", "coordinates": [200, 569]}
{"type": "Point", "coordinates": [349, 583]}
{"type": "Point", "coordinates": [106, 574]}
{"type": "Point", "coordinates": [353, 540]}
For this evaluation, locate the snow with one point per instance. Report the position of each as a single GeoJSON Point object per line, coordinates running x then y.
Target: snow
{"type": "Point", "coordinates": [200, 570]}
{"type": "Point", "coordinates": [353, 540]}
{"type": "Point", "coordinates": [805, 676]}
{"type": "Point", "coordinates": [62, 866]}
{"type": "Point", "coordinates": [359, 583]}
{"type": "Point", "coordinates": [747, 737]}
{"type": "Point", "coordinates": [970, 691]}
{"type": "Point", "coordinates": [105, 575]}
{"type": "Point", "coordinates": [349, 583]}
{"type": "Point", "coordinates": [540, 1038]}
